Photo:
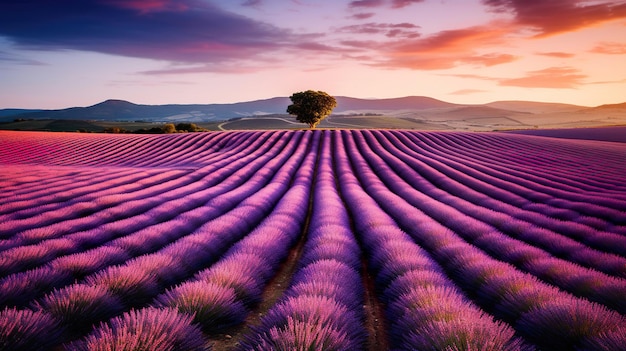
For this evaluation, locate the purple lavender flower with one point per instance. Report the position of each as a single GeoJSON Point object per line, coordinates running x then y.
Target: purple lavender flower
{"type": "Point", "coordinates": [145, 329]}
{"type": "Point", "coordinates": [213, 306]}
{"type": "Point", "coordinates": [80, 306]}
{"type": "Point", "coordinates": [26, 330]}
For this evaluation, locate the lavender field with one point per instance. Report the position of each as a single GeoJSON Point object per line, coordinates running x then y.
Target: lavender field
{"type": "Point", "coordinates": [311, 240]}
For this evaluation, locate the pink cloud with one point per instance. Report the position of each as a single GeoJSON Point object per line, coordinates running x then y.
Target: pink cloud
{"type": "Point", "coordinates": [252, 3]}
{"type": "Point", "coordinates": [433, 61]}
{"type": "Point", "coordinates": [467, 92]}
{"type": "Point", "coordinates": [558, 16]}
{"type": "Point", "coordinates": [556, 54]}
{"type": "Point", "coordinates": [145, 6]}
{"type": "Point", "coordinates": [487, 60]}
{"type": "Point", "coordinates": [446, 49]}
{"type": "Point", "coordinates": [457, 40]}
{"type": "Point", "coordinates": [610, 48]}
{"type": "Point", "coordinates": [403, 3]}
{"type": "Point", "coordinates": [188, 31]}
{"type": "Point", "coordinates": [399, 30]}
{"type": "Point", "coordinates": [362, 16]}
{"type": "Point", "coordinates": [396, 4]}
{"type": "Point", "coordinates": [553, 77]}
{"type": "Point", "coordinates": [365, 3]}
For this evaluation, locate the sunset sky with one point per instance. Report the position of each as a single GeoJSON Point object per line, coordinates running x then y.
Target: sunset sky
{"type": "Point", "coordinates": [62, 53]}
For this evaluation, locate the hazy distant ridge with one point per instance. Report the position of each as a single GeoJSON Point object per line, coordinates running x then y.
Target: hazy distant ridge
{"type": "Point", "coordinates": [128, 111]}
{"type": "Point", "coordinates": [406, 112]}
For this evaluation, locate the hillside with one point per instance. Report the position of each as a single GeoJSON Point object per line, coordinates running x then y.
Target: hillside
{"type": "Point", "coordinates": [120, 110]}
{"type": "Point", "coordinates": [535, 107]}
{"type": "Point", "coordinates": [413, 112]}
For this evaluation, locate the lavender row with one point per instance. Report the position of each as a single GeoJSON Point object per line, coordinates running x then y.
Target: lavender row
{"type": "Point", "coordinates": [258, 195]}
{"type": "Point", "coordinates": [507, 218]}
{"type": "Point", "coordinates": [518, 153]}
{"type": "Point", "coordinates": [550, 200]}
{"type": "Point", "coordinates": [581, 281]}
{"type": "Point", "coordinates": [424, 309]}
{"type": "Point", "coordinates": [110, 291]}
{"type": "Point", "coordinates": [322, 308]}
{"type": "Point", "coordinates": [135, 215]}
{"type": "Point", "coordinates": [530, 191]}
{"type": "Point", "coordinates": [84, 191]}
{"type": "Point", "coordinates": [222, 295]}
{"type": "Point", "coordinates": [119, 150]}
{"type": "Point", "coordinates": [459, 184]}
{"type": "Point", "coordinates": [537, 165]}
{"type": "Point", "coordinates": [541, 313]}
{"type": "Point", "coordinates": [176, 190]}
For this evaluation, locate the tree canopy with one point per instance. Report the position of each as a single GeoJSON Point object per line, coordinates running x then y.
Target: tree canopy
{"type": "Point", "coordinates": [311, 107]}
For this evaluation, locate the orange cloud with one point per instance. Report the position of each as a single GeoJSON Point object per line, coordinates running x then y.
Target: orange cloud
{"type": "Point", "coordinates": [556, 54]}
{"type": "Point", "coordinates": [553, 77]}
{"type": "Point", "coordinates": [457, 40]}
{"type": "Point", "coordinates": [610, 48]}
{"type": "Point", "coordinates": [558, 16]}
{"type": "Point", "coordinates": [446, 49]}
{"type": "Point", "coordinates": [433, 61]}
{"type": "Point", "coordinates": [467, 92]}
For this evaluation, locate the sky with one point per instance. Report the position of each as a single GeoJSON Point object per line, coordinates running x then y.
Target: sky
{"type": "Point", "coordinates": [63, 53]}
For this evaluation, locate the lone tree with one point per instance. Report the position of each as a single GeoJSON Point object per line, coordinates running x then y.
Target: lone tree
{"type": "Point", "coordinates": [311, 106]}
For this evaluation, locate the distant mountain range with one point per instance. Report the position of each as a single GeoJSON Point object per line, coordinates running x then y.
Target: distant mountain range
{"type": "Point", "coordinates": [414, 109]}
{"type": "Point", "coordinates": [120, 110]}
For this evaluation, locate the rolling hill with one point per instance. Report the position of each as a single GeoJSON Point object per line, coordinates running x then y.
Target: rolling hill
{"type": "Point", "coordinates": [120, 110]}
{"type": "Point", "coordinates": [411, 112]}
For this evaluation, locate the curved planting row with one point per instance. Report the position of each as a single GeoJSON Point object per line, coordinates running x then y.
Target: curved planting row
{"type": "Point", "coordinates": [396, 239]}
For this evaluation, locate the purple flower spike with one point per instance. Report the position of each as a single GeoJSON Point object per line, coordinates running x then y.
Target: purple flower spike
{"type": "Point", "coordinates": [146, 329]}
{"type": "Point", "coordinates": [25, 330]}
{"type": "Point", "coordinates": [301, 335]}
{"type": "Point", "coordinates": [132, 284]}
{"type": "Point", "coordinates": [566, 324]}
{"type": "Point", "coordinates": [213, 306]}
{"type": "Point", "coordinates": [79, 306]}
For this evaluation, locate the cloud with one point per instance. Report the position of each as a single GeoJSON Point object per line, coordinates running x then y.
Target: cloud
{"type": "Point", "coordinates": [207, 68]}
{"type": "Point", "coordinates": [445, 61]}
{"type": "Point", "coordinates": [618, 81]}
{"type": "Point", "coordinates": [556, 54]}
{"type": "Point", "coordinates": [403, 3]}
{"type": "Point", "coordinates": [471, 76]}
{"type": "Point", "coordinates": [170, 30]}
{"type": "Point", "coordinates": [252, 3]}
{"type": "Point", "coordinates": [467, 92]}
{"type": "Point", "coordinates": [558, 16]}
{"type": "Point", "coordinates": [362, 15]}
{"type": "Point", "coordinates": [16, 59]}
{"type": "Point", "coordinates": [391, 30]}
{"type": "Point", "coordinates": [365, 3]}
{"type": "Point", "coordinates": [610, 48]}
{"type": "Point", "coordinates": [395, 4]}
{"type": "Point", "coordinates": [146, 6]}
{"type": "Point", "coordinates": [446, 49]}
{"type": "Point", "coordinates": [457, 40]}
{"type": "Point", "coordinates": [553, 77]}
